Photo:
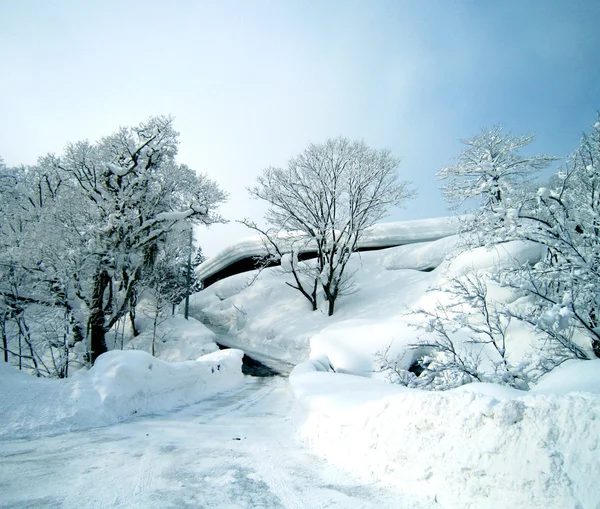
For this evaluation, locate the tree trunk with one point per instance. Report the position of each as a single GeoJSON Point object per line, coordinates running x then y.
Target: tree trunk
{"type": "Point", "coordinates": [4, 339]}
{"type": "Point", "coordinates": [596, 347]}
{"type": "Point", "coordinates": [97, 335]}
{"type": "Point", "coordinates": [331, 303]}
{"type": "Point", "coordinates": [136, 333]}
{"type": "Point", "coordinates": [96, 320]}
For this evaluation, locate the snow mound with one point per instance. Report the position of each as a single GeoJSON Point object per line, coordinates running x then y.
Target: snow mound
{"type": "Point", "coordinates": [461, 448]}
{"type": "Point", "coordinates": [516, 252]}
{"type": "Point", "coordinates": [420, 256]}
{"type": "Point", "coordinates": [119, 385]}
{"type": "Point", "coordinates": [352, 346]}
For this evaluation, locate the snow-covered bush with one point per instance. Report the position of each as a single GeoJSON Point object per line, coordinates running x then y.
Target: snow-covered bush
{"type": "Point", "coordinates": [461, 341]}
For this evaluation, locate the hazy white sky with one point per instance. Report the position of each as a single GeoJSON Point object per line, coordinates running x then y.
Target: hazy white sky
{"type": "Point", "coordinates": [251, 83]}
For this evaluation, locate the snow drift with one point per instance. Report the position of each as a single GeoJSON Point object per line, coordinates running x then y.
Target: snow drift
{"type": "Point", "coordinates": [119, 385]}
{"type": "Point", "coordinates": [505, 449]}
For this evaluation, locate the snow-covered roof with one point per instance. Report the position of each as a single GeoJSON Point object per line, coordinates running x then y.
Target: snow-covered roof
{"type": "Point", "coordinates": [378, 236]}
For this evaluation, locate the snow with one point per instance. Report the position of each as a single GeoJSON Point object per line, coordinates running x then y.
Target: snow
{"type": "Point", "coordinates": [174, 215]}
{"type": "Point", "coordinates": [463, 448]}
{"type": "Point", "coordinates": [479, 445]}
{"type": "Point", "coordinates": [235, 450]}
{"type": "Point", "coordinates": [119, 385]}
{"type": "Point", "coordinates": [503, 255]}
{"type": "Point", "coordinates": [420, 256]}
{"type": "Point", "coordinates": [250, 308]}
{"type": "Point", "coordinates": [176, 338]}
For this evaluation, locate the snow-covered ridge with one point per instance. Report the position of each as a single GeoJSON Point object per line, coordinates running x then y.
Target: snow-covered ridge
{"type": "Point", "coordinates": [378, 236]}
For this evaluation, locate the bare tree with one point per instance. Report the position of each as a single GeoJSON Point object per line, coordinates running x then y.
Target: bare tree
{"type": "Point", "coordinates": [323, 201]}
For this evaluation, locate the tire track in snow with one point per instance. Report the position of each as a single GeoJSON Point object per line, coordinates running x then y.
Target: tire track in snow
{"type": "Point", "coordinates": [234, 451]}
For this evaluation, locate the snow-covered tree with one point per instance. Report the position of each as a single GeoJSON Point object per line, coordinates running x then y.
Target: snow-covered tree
{"type": "Point", "coordinates": [323, 201]}
{"type": "Point", "coordinates": [490, 173]}
{"type": "Point", "coordinates": [34, 273]}
{"type": "Point", "coordinates": [86, 226]}
{"type": "Point", "coordinates": [564, 217]}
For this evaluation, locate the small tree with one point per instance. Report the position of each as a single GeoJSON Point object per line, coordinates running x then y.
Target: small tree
{"type": "Point", "coordinates": [484, 356]}
{"type": "Point", "coordinates": [492, 173]}
{"type": "Point", "coordinates": [323, 201]}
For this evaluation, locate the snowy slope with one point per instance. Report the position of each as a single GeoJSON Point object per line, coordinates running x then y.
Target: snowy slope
{"type": "Point", "coordinates": [481, 445]}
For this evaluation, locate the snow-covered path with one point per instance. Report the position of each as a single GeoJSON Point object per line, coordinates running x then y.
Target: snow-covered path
{"type": "Point", "coordinates": [235, 450]}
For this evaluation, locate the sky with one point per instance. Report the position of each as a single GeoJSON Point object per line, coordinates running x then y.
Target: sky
{"type": "Point", "coordinates": [252, 83]}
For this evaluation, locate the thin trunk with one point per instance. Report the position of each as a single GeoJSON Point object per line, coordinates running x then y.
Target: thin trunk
{"type": "Point", "coordinates": [188, 281]}
{"type": "Point", "coordinates": [4, 339]}
{"type": "Point", "coordinates": [136, 333]}
{"type": "Point", "coordinates": [20, 350]}
{"type": "Point", "coordinates": [122, 323]}
{"type": "Point", "coordinates": [154, 326]}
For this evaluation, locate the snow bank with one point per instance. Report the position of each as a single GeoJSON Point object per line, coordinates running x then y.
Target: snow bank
{"type": "Point", "coordinates": [461, 448]}
{"type": "Point", "coordinates": [119, 385]}
{"type": "Point", "coordinates": [516, 252]}
{"type": "Point", "coordinates": [353, 346]}
{"type": "Point", "coordinates": [421, 255]}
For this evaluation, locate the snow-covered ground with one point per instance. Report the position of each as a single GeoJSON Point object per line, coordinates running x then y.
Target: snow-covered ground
{"type": "Point", "coordinates": [480, 445]}
{"type": "Point", "coordinates": [235, 450]}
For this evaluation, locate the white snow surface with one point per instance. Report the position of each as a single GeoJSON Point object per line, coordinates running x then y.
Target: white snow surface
{"type": "Point", "coordinates": [463, 448]}
{"type": "Point", "coordinates": [119, 385]}
{"type": "Point", "coordinates": [176, 339]}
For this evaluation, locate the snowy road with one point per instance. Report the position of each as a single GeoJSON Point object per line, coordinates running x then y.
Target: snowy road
{"type": "Point", "coordinates": [232, 451]}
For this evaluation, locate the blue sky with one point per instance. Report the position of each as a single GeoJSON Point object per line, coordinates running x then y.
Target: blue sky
{"type": "Point", "coordinates": [251, 83]}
